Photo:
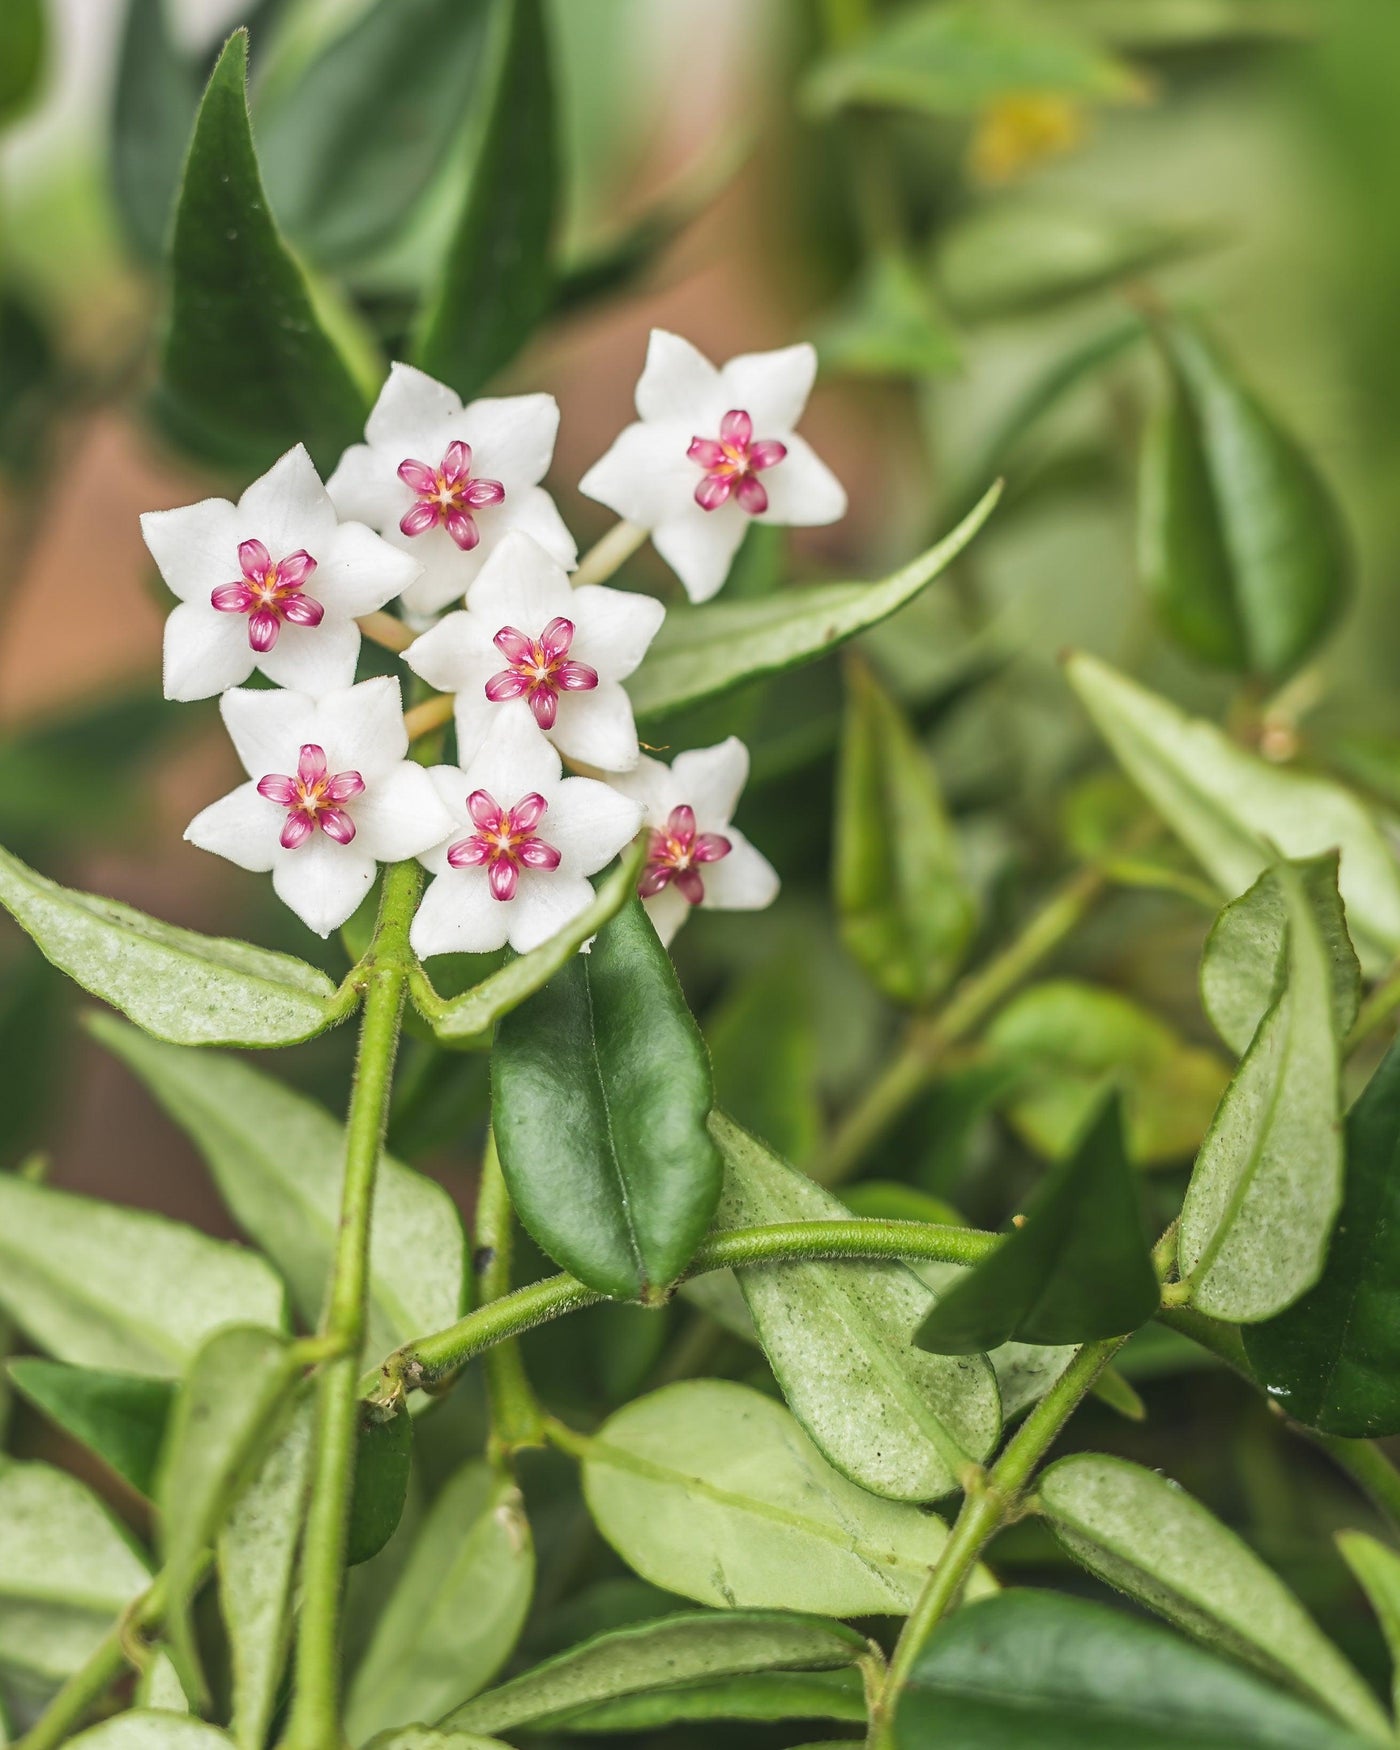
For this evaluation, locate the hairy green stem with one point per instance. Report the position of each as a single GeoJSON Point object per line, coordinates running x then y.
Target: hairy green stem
{"type": "Point", "coordinates": [314, 1723]}
{"type": "Point", "coordinates": [79, 1696]}
{"type": "Point", "coordinates": [988, 1505]}
{"type": "Point", "coordinates": [516, 1418]}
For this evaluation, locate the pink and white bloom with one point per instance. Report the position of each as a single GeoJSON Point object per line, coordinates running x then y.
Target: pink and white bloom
{"type": "Point", "coordinates": [694, 856]}
{"type": "Point", "coordinates": [274, 582]}
{"type": "Point", "coordinates": [524, 839]}
{"type": "Point", "coordinates": [526, 635]}
{"type": "Point", "coordinates": [711, 450]}
{"type": "Point", "coordinates": [447, 483]}
{"type": "Point", "coordinates": [330, 796]}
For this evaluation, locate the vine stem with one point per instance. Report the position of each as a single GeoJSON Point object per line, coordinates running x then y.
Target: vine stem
{"type": "Point", "coordinates": [314, 1723]}
{"type": "Point", "coordinates": [991, 1502]}
{"type": "Point", "coordinates": [605, 556]}
{"type": "Point", "coordinates": [516, 1418]}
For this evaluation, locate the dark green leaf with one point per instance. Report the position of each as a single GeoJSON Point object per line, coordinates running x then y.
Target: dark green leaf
{"type": "Point", "coordinates": [763, 1048]}
{"type": "Point", "coordinates": [119, 1416]}
{"type": "Point", "coordinates": [601, 1088]}
{"type": "Point", "coordinates": [383, 1460]}
{"type": "Point", "coordinates": [157, 94]}
{"type": "Point", "coordinates": [1245, 963]}
{"type": "Point", "coordinates": [1036, 1671]}
{"type": "Point", "coordinates": [1332, 1360]}
{"type": "Point", "coordinates": [701, 653]}
{"type": "Point", "coordinates": [1242, 547]}
{"type": "Point", "coordinates": [1078, 1267]}
{"type": "Point", "coordinates": [250, 367]}
{"type": "Point", "coordinates": [497, 279]}
{"type": "Point", "coordinates": [23, 34]}
{"type": "Point", "coordinates": [766, 1695]}
{"type": "Point", "coordinates": [177, 984]}
{"type": "Point", "coordinates": [641, 1664]}
{"type": "Point", "coordinates": [907, 913]}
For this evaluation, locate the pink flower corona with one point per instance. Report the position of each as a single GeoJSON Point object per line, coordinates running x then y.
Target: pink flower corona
{"type": "Point", "coordinates": [673, 852]}
{"type": "Point", "coordinates": [447, 494]}
{"type": "Point", "coordinates": [269, 593]}
{"type": "Point", "coordinates": [311, 799]}
{"type": "Point", "coordinates": [504, 842]}
{"type": "Point", "coordinates": [538, 669]}
{"type": "Point", "coordinates": [732, 464]}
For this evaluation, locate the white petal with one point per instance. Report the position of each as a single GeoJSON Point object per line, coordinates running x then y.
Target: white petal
{"type": "Point", "coordinates": [359, 572]}
{"type": "Point", "coordinates": [473, 715]}
{"type": "Point", "coordinates": [646, 476]}
{"type": "Point", "coordinates": [241, 826]}
{"type": "Point", "coordinates": [362, 727]}
{"type": "Point", "coordinates": [544, 903]}
{"type": "Point", "coordinates": [195, 547]}
{"type": "Point", "coordinates": [451, 789]}
{"type": "Point", "coordinates": [650, 784]}
{"type": "Point", "coordinates": [367, 488]}
{"type": "Point", "coordinates": [597, 728]}
{"type": "Point", "coordinates": [679, 383]}
{"type": "Point", "coordinates": [446, 571]}
{"type": "Point", "coordinates": [520, 585]}
{"type": "Point", "coordinates": [288, 508]}
{"type": "Point", "coordinates": [667, 910]}
{"type": "Point", "coordinates": [588, 823]}
{"type": "Point", "coordinates": [323, 882]}
{"type": "Point", "coordinates": [409, 405]}
{"type": "Point", "coordinates": [711, 780]}
{"type": "Point", "coordinates": [514, 757]}
{"type": "Point", "coordinates": [314, 660]}
{"type": "Point", "coordinates": [743, 881]}
{"type": "Point", "coordinates": [512, 438]}
{"type": "Point", "coordinates": [455, 653]}
{"type": "Point", "coordinates": [457, 915]}
{"type": "Point", "coordinates": [400, 815]}
{"type": "Point", "coordinates": [206, 652]}
{"type": "Point", "coordinates": [771, 387]}
{"type": "Point", "coordinates": [268, 728]}
{"type": "Point", "coordinates": [802, 491]}
{"type": "Point", "coordinates": [614, 628]}
{"type": "Point", "coordinates": [699, 546]}
{"type": "Point", "coordinates": [534, 513]}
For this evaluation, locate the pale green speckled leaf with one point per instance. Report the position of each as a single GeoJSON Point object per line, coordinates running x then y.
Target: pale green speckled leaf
{"type": "Point", "coordinates": [151, 1729]}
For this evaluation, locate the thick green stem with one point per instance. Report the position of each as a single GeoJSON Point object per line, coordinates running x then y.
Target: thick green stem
{"type": "Point", "coordinates": [516, 1418]}
{"type": "Point", "coordinates": [314, 1723]}
{"type": "Point", "coordinates": [990, 1503]}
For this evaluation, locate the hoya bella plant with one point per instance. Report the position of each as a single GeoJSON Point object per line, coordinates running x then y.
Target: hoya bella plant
{"type": "Point", "coordinates": [796, 1396]}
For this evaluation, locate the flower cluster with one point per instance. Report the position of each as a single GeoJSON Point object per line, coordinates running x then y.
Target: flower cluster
{"type": "Point", "coordinates": [442, 504]}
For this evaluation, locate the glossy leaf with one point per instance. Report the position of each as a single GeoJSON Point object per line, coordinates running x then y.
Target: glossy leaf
{"type": "Point", "coordinates": [249, 367]}
{"type": "Point", "coordinates": [1241, 545]}
{"type": "Point", "coordinates": [23, 50]}
{"type": "Point", "coordinates": [907, 913]}
{"type": "Point", "coordinates": [278, 1161]}
{"type": "Point", "coordinates": [351, 145]}
{"type": "Point", "coordinates": [1377, 1570]}
{"type": "Point", "coordinates": [600, 1091]}
{"type": "Point", "coordinates": [642, 1662]}
{"type": "Point", "coordinates": [383, 1463]}
{"type": "Point", "coordinates": [102, 1286]}
{"type": "Point", "coordinates": [767, 1695]}
{"type": "Point", "coordinates": [177, 984]}
{"type": "Point", "coordinates": [1063, 1038]}
{"type": "Point", "coordinates": [1145, 1535]}
{"type": "Point", "coordinates": [955, 57]}
{"type": "Point", "coordinates": [763, 1052]}
{"type": "Point", "coordinates": [1038, 1671]}
{"type": "Point", "coordinates": [456, 1610]}
{"type": "Point", "coordinates": [1224, 802]}
{"type": "Point", "coordinates": [67, 1571]}
{"type": "Point", "coordinates": [1332, 1360]}
{"type": "Point", "coordinates": [701, 653]}
{"type": "Point", "coordinates": [712, 1490]}
{"type": "Point", "coordinates": [119, 1416]}
{"type": "Point", "coordinates": [1267, 1183]}
{"type": "Point", "coordinates": [468, 1020]}
{"type": "Point", "coordinates": [497, 279]}
{"type": "Point", "coordinates": [1076, 1269]}
{"type": "Point", "coordinates": [837, 1336]}
{"type": "Point", "coordinates": [226, 1418]}
{"type": "Point", "coordinates": [151, 1729]}
{"type": "Point", "coordinates": [1245, 962]}
{"type": "Point", "coordinates": [153, 111]}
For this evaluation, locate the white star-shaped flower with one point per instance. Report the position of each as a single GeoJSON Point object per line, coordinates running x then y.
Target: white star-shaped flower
{"type": "Point", "coordinates": [524, 840]}
{"type": "Point", "coordinates": [330, 796]}
{"type": "Point", "coordinates": [712, 449]}
{"type": "Point", "coordinates": [447, 483]}
{"type": "Point", "coordinates": [274, 582]}
{"type": "Point", "coordinates": [524, 634]}
{"type": "Point", "coordinates": [694, 856]}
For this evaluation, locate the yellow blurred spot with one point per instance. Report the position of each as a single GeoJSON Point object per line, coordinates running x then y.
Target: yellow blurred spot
{"type": "Point", "coordinates": [1021, 130]}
